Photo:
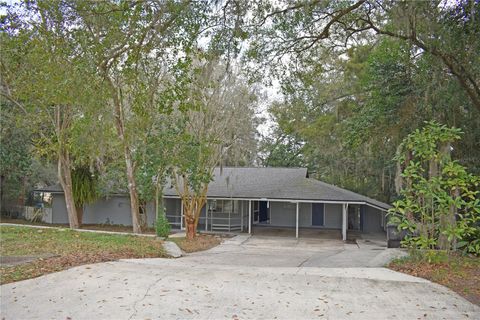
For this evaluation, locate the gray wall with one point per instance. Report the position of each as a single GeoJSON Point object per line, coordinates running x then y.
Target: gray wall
{"type": "Point", "coordinates": [282, 214]}
{"type": "Point", "coordinates": [114, 210]}
{"type": "Point", "coordinates": [333, 215]}
{"type": "Point", "coordinates": [372, 221]}
{"type": "Point", "coordinates": [59, 209]}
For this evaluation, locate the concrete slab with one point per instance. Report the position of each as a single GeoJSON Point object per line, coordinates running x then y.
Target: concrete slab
{"type": "Point", "coordinates": [243, 278]}
{"type": "Point", "coordinates": [177, 289]}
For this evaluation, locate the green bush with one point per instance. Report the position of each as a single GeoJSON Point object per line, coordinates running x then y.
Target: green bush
{"type": "Point", "coordinates": [162, 226]}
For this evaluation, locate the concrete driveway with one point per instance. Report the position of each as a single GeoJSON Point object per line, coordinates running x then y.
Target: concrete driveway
{"type": "Point", "coordinates": [244, 278]}
{"type": "Point", "coordinates": [268, 251]}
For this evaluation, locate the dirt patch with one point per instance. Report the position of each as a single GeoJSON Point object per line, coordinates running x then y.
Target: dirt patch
{"type": "Point", "coordinates": [459, 273]}
{"type": "Point", "coordinates": [200, 243]}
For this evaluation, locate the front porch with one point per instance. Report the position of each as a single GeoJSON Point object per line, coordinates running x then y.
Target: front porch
{"type": "Point", "coordinates": [327, 220]}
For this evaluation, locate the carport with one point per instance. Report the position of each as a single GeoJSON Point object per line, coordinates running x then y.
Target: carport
{"type": "Point", "coordinates": [315, 218]}
{"type": "Point", "coordinates": [284, 201]}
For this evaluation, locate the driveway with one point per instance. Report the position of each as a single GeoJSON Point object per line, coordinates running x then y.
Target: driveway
{"type": "Point", "coordinates": [268, 251]}
{"type": "Point", "coordinates": [244, 278]}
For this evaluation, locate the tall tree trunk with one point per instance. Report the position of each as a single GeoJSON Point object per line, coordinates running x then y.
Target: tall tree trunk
{"type": "Point", "coordinates": [65, 177]}
{"type": "Point", "coordinates": [132, 189]}
{"type": "Point", "coordinates": [2, 179]}
{"type": "Point", "coordinates": [130, 166]}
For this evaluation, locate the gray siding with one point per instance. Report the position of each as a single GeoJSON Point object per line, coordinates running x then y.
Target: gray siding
{"type": "Point", "coordinates": [372, 221]}
{"type": "Point", "coordinates": [305, 215]}
{"type": "Point", "coordinates": [282, 214]}
{"type": "Point", "coordinates": [114, 210]}
{"type": "Point", "coordinates": [333, 216]}
{"type": "Point", "coordinates": [59, 209]}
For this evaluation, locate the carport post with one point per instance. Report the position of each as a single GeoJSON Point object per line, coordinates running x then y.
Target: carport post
{"type": "Point", "coordinates": [249, 216]}
{"type": "Point", "coordinates": [344, 221]}
{"type": "Point", "coordinates": [296, 221]}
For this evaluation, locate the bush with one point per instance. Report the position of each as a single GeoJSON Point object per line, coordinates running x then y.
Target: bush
{"type": "Point", "coordinates": [162, 226]}
{"type": "Point", "coordinates": [439, 206]}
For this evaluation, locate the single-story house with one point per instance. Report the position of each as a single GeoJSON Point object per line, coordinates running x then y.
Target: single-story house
{"type": "Point", "coordinates": [240, 198]}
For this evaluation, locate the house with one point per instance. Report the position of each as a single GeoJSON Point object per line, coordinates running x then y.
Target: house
{"type": "Point", "coordinates": [240, 199]}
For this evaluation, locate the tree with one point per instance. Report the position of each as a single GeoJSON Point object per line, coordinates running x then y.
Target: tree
{"type": "Point", "coordinates": [296, 32]}
{"type": "Point", "coordinates": [15, 156]}
{"type": "Point", "coordinates": [84, 185]}
{"type": "Point", "coordinates": [124, 39]}
{"type": "Point", "coordinates": [439, 204]}
{"type": "Point", "coordinates": [43, 76]}
{"type": "Point", "coordinates": [221, 114]}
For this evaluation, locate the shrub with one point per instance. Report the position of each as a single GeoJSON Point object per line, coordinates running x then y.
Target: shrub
{"type": "Point", "coordinates": [162, 226]}
{"type": "Point", "coordinates": [439, 205]}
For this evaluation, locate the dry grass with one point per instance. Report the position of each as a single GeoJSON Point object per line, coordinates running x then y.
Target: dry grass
{"type": "Point", "coordinates": [459, 273]}
{"type": "Point", "coordinates": [70, 248]}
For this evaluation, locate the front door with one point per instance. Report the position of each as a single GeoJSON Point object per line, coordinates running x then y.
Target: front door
{"type": "Point", "coordinates": [263, 210]}
{"type": "Point", "coordinates": [318, 210]}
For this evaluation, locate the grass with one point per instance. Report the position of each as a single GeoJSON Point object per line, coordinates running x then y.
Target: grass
{"type": "Point", "coordinates": [70, 248]}
{"type": "Point", "coordinates": [200, 243]}
{"type": "Point", "coordinates": [103, 227]}
{"type": "Point", "coordinates": [458, 272]}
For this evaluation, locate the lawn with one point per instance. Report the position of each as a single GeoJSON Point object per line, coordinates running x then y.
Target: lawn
{"type": "Point", "coordinates": [103, 227]}
{"type": "Point", "coordinates": [458, 272]}
{"type": "Point", "coordinates": [70, 248]}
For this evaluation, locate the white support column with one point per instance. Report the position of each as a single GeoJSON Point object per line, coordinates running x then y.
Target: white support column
{"type": "Point", "coordinates": [241, 216]}
{"type": "Point", "coordinates": [344, 221]}
{"type": "Point", "coordinates": [249, 216]}
{"type": "Point", "coordinates": [181, 214]}
{"type": "Point", "coordinates": [206, 217]}
{"type": "Point", "coordinates": [296, 221]}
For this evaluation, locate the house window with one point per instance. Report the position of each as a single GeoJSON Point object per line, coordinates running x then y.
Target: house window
{"type": "Point", "coordinates": [318, 214]}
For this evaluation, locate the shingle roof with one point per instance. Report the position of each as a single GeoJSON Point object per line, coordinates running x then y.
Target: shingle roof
{"type": "Point", "coordinates": [276, 183]}
{"type": "Point", "coordinates": [269, 183]}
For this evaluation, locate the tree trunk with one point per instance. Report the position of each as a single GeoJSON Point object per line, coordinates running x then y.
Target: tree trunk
{"type": "Point", "coordinates": [130, 167]}
{"type": "Point", "coordinates": [65, 177]}
{"type": "Point", "coordinates": [132, 189]}
{"type": "Point", "coordinates": [191, 228]}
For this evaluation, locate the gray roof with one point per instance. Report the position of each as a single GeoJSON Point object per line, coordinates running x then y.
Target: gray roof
{"type": "Point", "coordinates": [269, 183]}
{"type": "Point", "coordinates": [56, 188]}
{"type": "Point", "coordinates": [277, 183]}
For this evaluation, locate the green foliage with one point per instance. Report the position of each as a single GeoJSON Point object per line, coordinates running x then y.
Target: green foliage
{"type": "Point", "coordinates": [162, 226]}
{"type": "Point", "coordinates": [84, 186]}
{"type": "Point", "coordinates": [439, 205]}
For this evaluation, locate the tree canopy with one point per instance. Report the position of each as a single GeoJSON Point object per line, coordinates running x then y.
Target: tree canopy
{"type": "Point", "coordinates": [134, 93]}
